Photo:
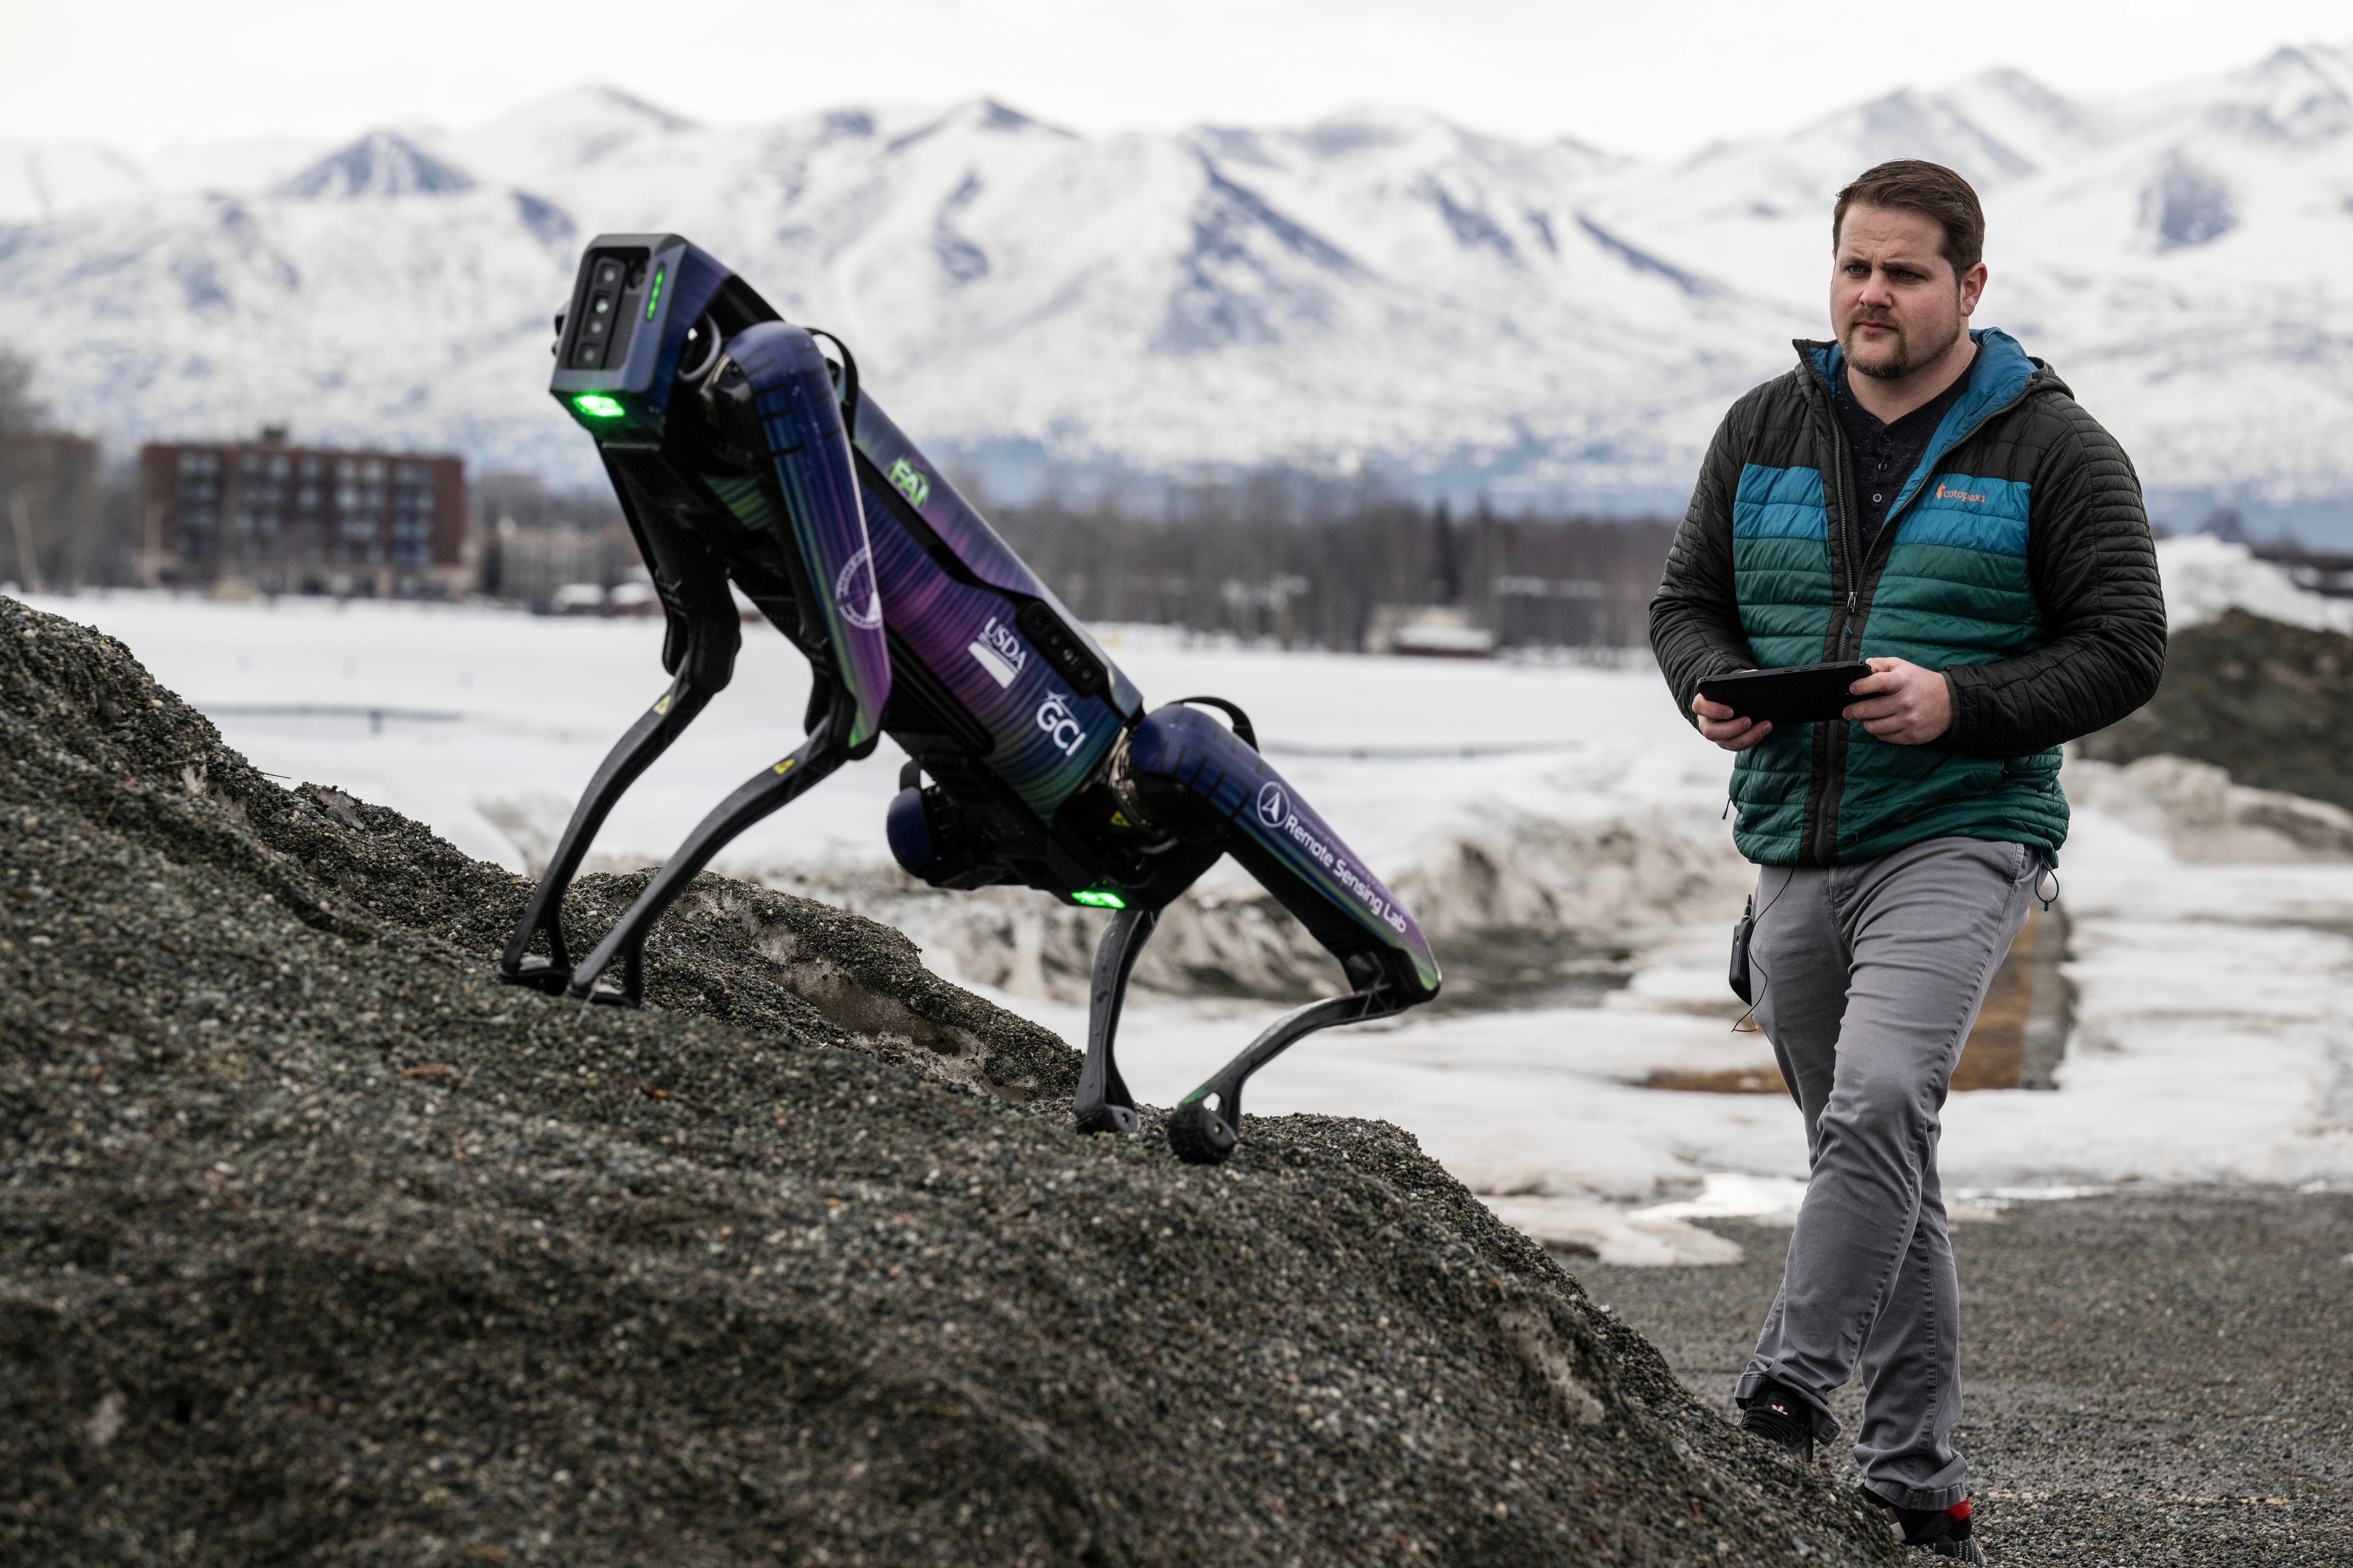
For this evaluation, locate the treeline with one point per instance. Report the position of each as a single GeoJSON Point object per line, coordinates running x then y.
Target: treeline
{"type": "Point", "coordinates": [59, 527]}
{"type": "Point", "coordinates": [1301, 559]}
{"type": "Point", "coordinates": [1312, 561]}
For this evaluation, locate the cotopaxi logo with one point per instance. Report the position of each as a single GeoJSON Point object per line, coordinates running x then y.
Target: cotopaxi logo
{"type": "Point", "coordinates": [1944, 494]}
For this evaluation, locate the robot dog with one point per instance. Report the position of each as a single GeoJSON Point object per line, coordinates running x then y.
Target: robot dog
{"type": "Point", "coordinates": [741, 454]}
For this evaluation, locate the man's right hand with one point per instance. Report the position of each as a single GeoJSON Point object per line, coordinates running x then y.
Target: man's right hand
{"type": "Point", "coordinates": [1720, 724]}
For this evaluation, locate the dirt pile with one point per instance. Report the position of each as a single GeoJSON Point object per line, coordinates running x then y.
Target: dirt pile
{"type": "Point", "coordinates": [2271, 704]}
{"type": "Point", "coordinates": [316, 1246]}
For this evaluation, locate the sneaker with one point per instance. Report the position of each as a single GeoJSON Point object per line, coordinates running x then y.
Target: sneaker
{"type": "Point", "coordinates": [1942, 1532]}
{"type": "Point", "coordinates": [1779, 1416]}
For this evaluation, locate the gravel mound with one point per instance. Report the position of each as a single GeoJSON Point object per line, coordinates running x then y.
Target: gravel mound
{"type": "Point", "coordinates": [316, 1246]}
{"type": "Point", "coordinates": [2269, 704]}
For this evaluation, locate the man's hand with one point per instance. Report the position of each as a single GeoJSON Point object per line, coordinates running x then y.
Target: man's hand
{"type": "Point", "coordinates": [1902, 703]}
{"type": "Point", "coordinates": [1719, 724]}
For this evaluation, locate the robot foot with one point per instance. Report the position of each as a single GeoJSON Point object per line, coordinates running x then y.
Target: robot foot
{"type": "Point", "coordinates": [539, 973]}
{"type": "Point", "coordinates": [1106, 1117]}
{"type": "Point", "coordinates": [1200, 1135]}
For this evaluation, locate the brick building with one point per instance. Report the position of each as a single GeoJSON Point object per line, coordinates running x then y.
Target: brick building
{"type": "Point", "coordinates": [282, 518]}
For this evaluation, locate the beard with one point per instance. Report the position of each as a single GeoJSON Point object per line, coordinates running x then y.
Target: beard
{"type": "Point", "coordinates": [1900, 356]}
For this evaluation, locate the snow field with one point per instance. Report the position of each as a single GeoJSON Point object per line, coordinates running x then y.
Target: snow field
{"type": "Point", "coordinates": [2210, 1041]}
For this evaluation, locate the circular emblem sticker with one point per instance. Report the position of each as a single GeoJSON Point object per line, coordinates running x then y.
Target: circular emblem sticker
{"type": "Point", "coordinates": [854, 593]}
{"type": "Point", "coordinates": [1272, 806]}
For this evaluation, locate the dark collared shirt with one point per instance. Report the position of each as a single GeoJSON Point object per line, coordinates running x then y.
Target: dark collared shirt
{"type": "Point", "coordinates": [1884, 454]}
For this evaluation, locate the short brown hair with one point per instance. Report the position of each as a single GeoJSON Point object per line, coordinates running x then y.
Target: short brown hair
{"type": "Point", "coordinates": [1930, 189]}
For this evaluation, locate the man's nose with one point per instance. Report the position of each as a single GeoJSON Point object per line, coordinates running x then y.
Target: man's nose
{"type": "Point", "coordinates": [1875, 291]}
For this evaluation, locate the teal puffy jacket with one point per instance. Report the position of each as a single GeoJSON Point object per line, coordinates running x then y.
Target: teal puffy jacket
{"type": "Point", "coordinates": [2016, 559]}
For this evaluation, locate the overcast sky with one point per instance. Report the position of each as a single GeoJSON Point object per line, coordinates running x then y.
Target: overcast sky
{"type": "Point", "coordinates": [1649, 77]}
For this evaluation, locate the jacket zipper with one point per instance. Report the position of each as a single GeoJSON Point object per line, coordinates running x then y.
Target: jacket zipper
{"type": "Point", "coordinates": [1824, 849]}
{"type": "Point", "coordinates": [1881, 543]}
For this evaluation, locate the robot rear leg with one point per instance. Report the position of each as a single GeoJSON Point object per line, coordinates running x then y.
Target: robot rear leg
{"type": "Point", "coordinates": [1200, 780]}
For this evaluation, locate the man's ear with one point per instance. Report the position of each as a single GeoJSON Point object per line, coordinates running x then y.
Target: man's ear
{"type": "Point", "coordinates": [1973, 284]}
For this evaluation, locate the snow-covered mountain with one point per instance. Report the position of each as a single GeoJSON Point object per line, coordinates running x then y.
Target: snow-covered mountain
{"type": "Point", "coordinates": [1535, 319]}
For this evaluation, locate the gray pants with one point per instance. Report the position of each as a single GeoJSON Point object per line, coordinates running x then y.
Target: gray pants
{"type": "Point", "coordinates": [1870, 975]}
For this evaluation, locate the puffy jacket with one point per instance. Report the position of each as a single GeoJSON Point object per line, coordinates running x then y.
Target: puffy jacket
{"type": "Point", "coordinates": [2016, 559]}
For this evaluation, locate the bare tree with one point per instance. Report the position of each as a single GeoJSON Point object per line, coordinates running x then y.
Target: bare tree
{"type": "Point", "coordinates": [1306, 560]}
{"type": "Point", "coordinates": [18, 409]}
{"type": "Point", "coordinates": [18, 413]}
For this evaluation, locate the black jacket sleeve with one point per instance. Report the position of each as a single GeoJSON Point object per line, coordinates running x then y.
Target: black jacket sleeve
{"type": "Point", "coordinates": [2093, 569]}
{"type": "Point", "coordinates": [1695, 614]}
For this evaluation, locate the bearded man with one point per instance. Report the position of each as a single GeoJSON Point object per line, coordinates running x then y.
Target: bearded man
{"type": "Point", "coordinates": [1932, 499]}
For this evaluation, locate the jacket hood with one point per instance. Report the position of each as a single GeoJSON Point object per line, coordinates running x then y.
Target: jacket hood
{"type": "Point", "coordinates": [2003, 373]}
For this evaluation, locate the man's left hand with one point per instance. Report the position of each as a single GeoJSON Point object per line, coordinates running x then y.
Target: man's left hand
{"type": "Point", "coordinates": [1902, 703]}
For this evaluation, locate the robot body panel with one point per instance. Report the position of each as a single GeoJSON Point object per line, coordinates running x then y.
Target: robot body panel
{"type": "Point", "coordinates": [1046, 739]}
{"type": "Point", "coordinates": [939, 509]}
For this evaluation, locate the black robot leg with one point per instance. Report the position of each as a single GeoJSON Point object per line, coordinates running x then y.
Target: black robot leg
{"type": "Point", "coordinates": [1201, 1128]}
{"type": "Point", "coordinates": [759, 797]}
{"type": "Point", "coordinates": [1103, 1103]}
{"type": "Point", "coordinates": [636, 752]}
{"type": "Point", "coordinates": [1207, 783]}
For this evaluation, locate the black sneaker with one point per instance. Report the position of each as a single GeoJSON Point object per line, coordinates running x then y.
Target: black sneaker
{"type": "Point", "coordinates": [1779, 1416]}
{"type": "Point", "coordinates": [1942, 1532]}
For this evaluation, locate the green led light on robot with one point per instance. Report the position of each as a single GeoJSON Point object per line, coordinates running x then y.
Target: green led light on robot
{"type": "Point", "coordinates": [597, 405]}
{"type": "Point", "coordinates": [1102, 900]}
{"type": "Point", "coordinates": [653, 295]}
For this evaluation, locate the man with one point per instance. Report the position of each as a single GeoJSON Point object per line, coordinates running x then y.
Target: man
{"type": "Point", "coordinates": [1931, 500]}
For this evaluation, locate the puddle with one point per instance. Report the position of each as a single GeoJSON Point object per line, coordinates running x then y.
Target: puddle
{"type": "Point", "coordinates": [2016, 1043]}
{"type": "Point", "coordinates": [1515, 971]}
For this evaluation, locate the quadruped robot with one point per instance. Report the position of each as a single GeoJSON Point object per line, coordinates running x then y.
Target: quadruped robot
{"type": "Point", "coordinates": [740, 453]}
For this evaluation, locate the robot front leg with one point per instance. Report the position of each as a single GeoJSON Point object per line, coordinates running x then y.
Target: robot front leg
{"type": "Point", "coordinates": [761, 794]}
{"type": "Point", "coordinates": [702, 673]}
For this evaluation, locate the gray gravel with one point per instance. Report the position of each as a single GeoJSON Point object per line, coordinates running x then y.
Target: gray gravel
{"type": "Point", "coordinates": [2154, 1377]}
{"type": "Point", "coordinates": [317, 1247]}
{"type": "Point", "coordinates": [2269, 704]}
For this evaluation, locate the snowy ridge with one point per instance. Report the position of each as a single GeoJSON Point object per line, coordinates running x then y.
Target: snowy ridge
{"type": "Point", "coordinates": [1539, 318]}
